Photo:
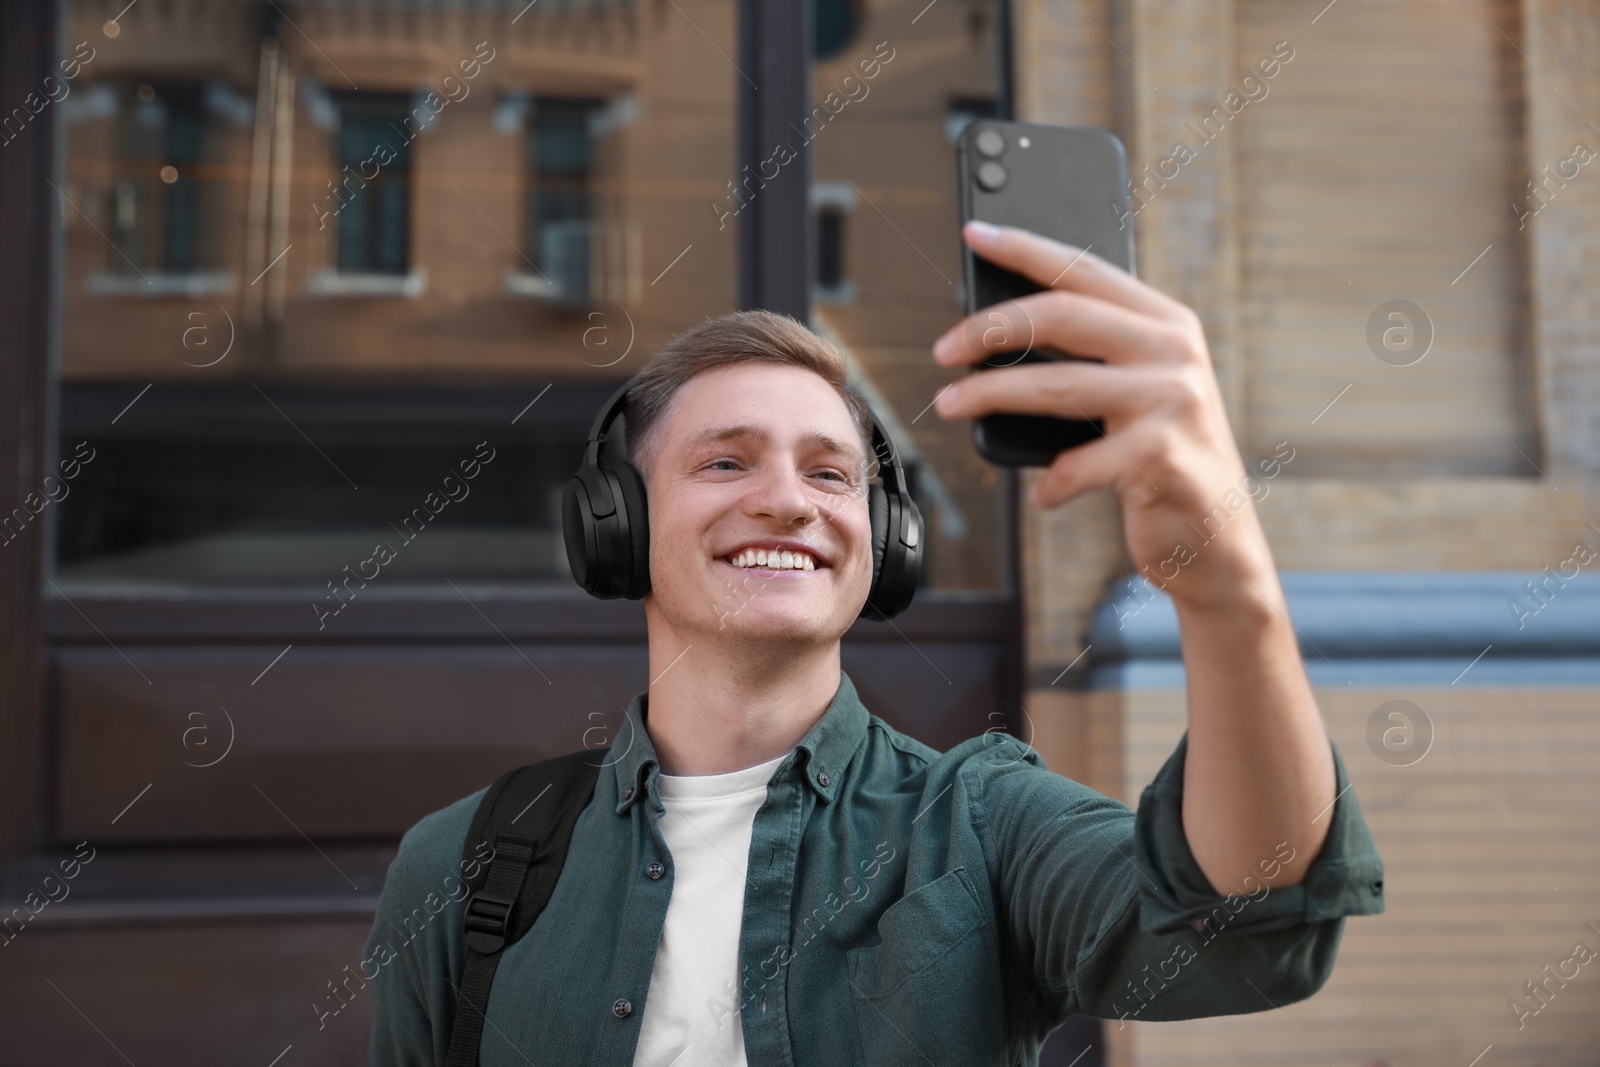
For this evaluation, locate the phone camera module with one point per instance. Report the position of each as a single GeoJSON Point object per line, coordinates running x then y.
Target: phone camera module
{"type": "Point", "coordinates": [989, 143]}
{"type": "Point", "coordinates": [991, 176]}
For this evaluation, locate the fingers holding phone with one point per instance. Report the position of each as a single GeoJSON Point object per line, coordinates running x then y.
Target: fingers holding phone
{"type": "Point", "coordinates": [1149, 377]}
{"type": "Point", "coordinates": [1057, 266]}
{"type": "Point", "coordinates": [1163, 444]}
{"type": "Point", "coordinates": [1095, 328]}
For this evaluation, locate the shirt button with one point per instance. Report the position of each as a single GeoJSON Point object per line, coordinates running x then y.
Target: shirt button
{"type": "Point", "coordinates": [655, 870]}
{"type": "Point", "coordinates": [622, 1008]}
{"type": "Point", "coordinates": [822, 777]}
{"type": "Point", "coordinates": [1377, 887]}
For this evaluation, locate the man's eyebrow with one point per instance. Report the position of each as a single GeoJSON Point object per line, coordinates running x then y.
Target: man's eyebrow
{"type": "Point", "coordinates": [814, 439]}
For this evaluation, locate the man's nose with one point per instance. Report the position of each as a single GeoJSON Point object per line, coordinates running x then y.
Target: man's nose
{"type": "Point", "coordinates": [781, 491]}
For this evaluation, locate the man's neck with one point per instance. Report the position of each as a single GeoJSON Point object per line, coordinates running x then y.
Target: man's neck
{"type": "Point", "coordinates": [712, 712]}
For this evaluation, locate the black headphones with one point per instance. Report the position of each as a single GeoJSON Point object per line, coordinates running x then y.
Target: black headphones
{"type": "Point", "coordinates": [606, 523]}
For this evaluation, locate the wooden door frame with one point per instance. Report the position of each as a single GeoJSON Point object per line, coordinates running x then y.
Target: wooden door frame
{"type": "Point", "coordinates": [28, 308]}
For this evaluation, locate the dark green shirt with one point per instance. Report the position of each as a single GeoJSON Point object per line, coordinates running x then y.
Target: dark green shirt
{"type": "Point", "coordinates": [902, 906]}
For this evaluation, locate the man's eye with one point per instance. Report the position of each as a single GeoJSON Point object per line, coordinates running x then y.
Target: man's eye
{"type": "Point", "coordinates": [714, 462]}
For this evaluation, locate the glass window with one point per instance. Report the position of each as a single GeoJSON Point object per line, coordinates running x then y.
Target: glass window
{"type": "Point", "coordinates": [160, 139]}
{"type": "Point", "coordinates": [887, 278]}
{"type": "Point", "coordinates": [372, 192]}
{"type": "Point", "coordinates": [301, 288]}
{"type": "Point", "coordinates": [306, 291]}
{"type": "Point", "coordinates": [834, 23]}
{"type": "Point", "coordinates": [560, 202]}
{"type": "Point", "coordinates": [156, 197]}
{"type": "Point", "coordinates": [830, 248]}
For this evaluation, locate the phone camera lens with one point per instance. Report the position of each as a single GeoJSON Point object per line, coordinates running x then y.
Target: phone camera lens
{"type": "Point", "coordinates": [991, 176]}
{"type": "Point", "coordinates": [989, 143]}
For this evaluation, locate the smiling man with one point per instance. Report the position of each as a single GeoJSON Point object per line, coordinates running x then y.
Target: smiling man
{"type": "Point", "coordinates": [767, 873]}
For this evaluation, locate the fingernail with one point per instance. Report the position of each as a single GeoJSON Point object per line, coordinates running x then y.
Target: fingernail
{"type": "Point", "coordinates": [946, 400]}
{"type": "Point", "coordinates": [941, 347]}
{"type": "Point", "coordinates": [982, 231]}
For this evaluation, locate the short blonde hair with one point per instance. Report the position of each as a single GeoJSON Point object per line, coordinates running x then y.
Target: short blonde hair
{"type": "Point", "coordinates": [738, 337]}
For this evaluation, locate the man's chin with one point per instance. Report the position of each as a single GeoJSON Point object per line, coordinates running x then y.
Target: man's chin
{"type": "Point", "coordinates": [778, 629]}
{"type": "Point", "coordinates": [790, 610]}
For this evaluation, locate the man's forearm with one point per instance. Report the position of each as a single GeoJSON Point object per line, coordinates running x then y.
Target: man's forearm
{"type": "Point", "coordinates": [1259, 769]}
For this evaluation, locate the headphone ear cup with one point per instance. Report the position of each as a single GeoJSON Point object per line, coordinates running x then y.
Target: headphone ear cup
{"type": "Point", "coordinates": [578, 531]}
{"type": "Point", "coordinates": [878, 515]}
{"type": "Point", "coordinates": [636, 519]}
{"type": "Point", "coordinates": [899, 555]}
{"type": "Point", "coordinates": [609, 557]}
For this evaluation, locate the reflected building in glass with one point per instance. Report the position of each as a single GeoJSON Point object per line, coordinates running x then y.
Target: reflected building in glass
{"type": "Point", "coordinates": [320, 251]}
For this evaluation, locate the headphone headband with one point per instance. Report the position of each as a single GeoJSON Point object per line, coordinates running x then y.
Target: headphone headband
{"type": "Point", "coordinates": [610, 409]}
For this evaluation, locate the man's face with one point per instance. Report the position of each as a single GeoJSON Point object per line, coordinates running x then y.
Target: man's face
{"type": "Point", "coordinates": [750, 455]}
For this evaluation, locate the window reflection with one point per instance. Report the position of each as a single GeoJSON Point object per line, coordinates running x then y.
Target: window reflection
{"type": "Point", "coordinates": [886, 276]}
{"type": "Point", "coordinates": [315, 254]}
{"type": "Point", "coordinates": [834, 24]}
{"type": "Point", "coordinates": [560, 208]}
{"type": "Point", "coordinates": [372, 195]}
{"type": "Point", "coordinates": [157, 215]}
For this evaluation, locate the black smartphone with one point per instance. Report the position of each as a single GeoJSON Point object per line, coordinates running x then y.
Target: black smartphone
{"type": "Point", "coordinates": [1069, 183]}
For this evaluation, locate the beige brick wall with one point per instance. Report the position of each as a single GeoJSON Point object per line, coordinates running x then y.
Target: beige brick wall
{"type": "Point", "coordinates": [1440, 524]}
{"type": "Point", "coordinates": [1470, 917]}
{"type": "Point", "coordinates": [1436, 466]}
{"type": "Point", "coordinates": [1355, 189]}
{"type": "Point", "coordinates": [1385, 157]}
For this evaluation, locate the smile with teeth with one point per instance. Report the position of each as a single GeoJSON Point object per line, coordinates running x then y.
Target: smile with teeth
{"type": "Point", "coordinates": [772, 559]}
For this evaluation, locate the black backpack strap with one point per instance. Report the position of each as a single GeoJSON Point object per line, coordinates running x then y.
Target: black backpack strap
{"type": "Point", "coordinates": [527, 818]}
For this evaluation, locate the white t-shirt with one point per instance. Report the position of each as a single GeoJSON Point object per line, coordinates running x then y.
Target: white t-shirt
{"type": "Point", "coordinates": [691, 1014]}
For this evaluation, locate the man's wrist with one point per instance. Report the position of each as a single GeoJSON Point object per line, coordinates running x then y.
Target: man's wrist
{"type": "Point", "coordinates": [1236, 581]}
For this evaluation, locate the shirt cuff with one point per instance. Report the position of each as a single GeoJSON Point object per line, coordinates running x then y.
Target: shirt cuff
{"type": "Point", "coordinates": [1346, 878]}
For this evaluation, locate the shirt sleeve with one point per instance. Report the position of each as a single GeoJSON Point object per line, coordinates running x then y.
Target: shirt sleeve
{"type": "Point", "coordinates": [402, 1031]}
{"type": "Point", "coordinates": [1114, 918]}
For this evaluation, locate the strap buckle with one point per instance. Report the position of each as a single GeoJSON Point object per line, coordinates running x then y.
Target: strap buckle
{"type": "Point", "coordinates": [488, 921]}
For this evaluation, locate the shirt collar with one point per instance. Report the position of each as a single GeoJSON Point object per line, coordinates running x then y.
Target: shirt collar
{"type": "Point", "coordinates": [827, 748]}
